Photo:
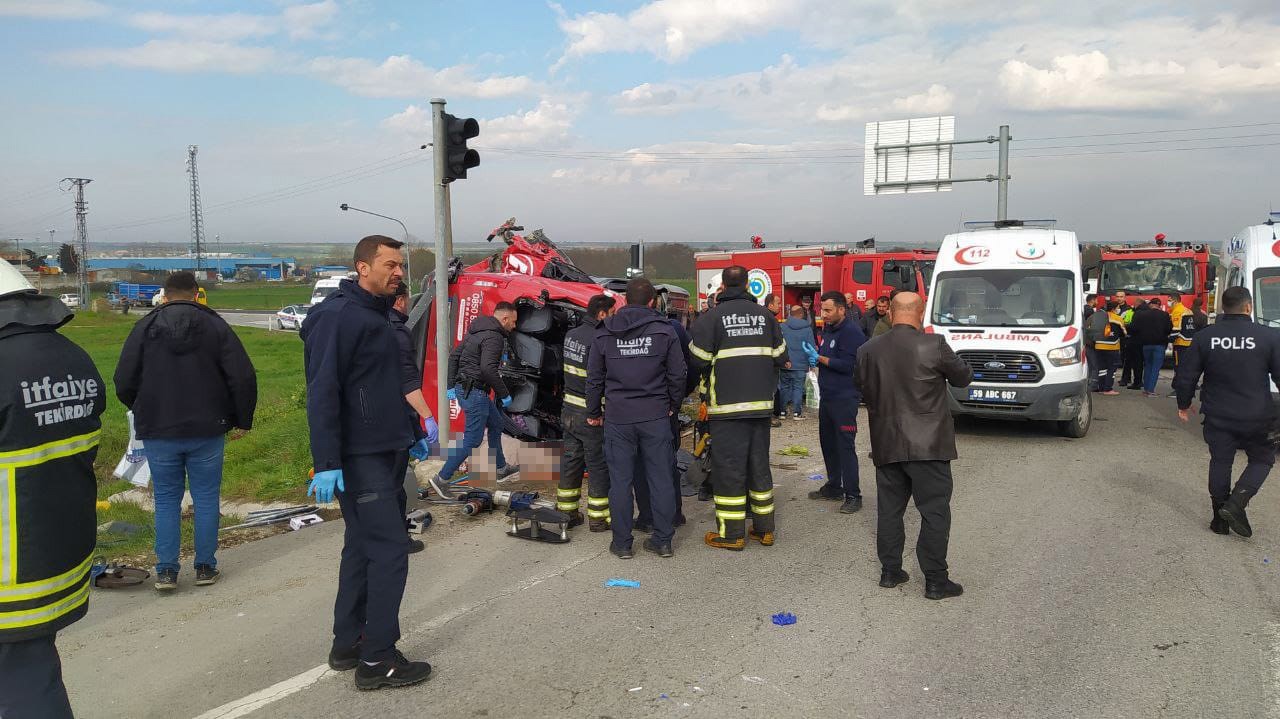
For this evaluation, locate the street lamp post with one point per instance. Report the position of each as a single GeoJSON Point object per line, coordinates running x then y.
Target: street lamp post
{"type": "Point", "coordinates": [408, 266]}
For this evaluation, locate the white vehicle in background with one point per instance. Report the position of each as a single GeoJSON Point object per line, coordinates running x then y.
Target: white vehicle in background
{"type": "Point", "coordinates": [71, 301]}
{"type": "Point", "coordinates": [324, 287]}
{"type": "Point", "coordinates": [1007, 297]}
{"type": "Point", "coordinates": [292, 316]}
{"type": "Point", "coordinates": [1251, 259]}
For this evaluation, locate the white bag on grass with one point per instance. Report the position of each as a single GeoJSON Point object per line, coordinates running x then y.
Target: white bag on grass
{"type": "Point", "coordinates": [133, 465]}
{"type": "Point", "coordinates": [813, 395]}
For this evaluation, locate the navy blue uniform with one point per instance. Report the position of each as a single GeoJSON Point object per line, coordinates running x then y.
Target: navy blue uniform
{"type": "Point", "coordinates": [637, 366]}
{"type": "Point", "coordinates": [838, 406]}
{"type": "Point", "coordinates": [356, 416]}
{"type": "Point", "coordinates": [1240, 362]}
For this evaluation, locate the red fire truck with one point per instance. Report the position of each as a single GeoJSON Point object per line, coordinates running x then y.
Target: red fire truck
{"type": "Point", "coordinates": [798, 272]}
{"type": "Point", "coordinates": [1158, 270]}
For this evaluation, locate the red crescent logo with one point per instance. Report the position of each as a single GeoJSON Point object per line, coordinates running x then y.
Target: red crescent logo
{"type": "Point", "coordinates": [1275, 249]}
{"type": "Point", "coordinates": [972, 255]}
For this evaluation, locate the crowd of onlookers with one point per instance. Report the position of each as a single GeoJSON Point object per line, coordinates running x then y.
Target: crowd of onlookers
{"type": "Point", "coordinates": [1133, 339]}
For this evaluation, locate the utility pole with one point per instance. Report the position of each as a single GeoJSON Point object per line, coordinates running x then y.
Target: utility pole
{"type": "Point", "coordinates": [444, 250]}
{"type": "Point", "coordinates": [197, 209]}
{"type": "Point", "coordinates": [82, 235]}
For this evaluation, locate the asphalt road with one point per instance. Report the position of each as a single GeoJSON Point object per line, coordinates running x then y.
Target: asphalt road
{"type": "Point", "coordinates": [260, 320]}
{"type": "Point", "coordinates": [1092, 589]}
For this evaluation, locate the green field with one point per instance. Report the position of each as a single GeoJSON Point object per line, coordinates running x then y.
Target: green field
{"type": "Point", "coordinates": [688, 284]}
{"type": "Point", "coordinates": [258, 295]}
{"type": "Point", "coordinates": [269, 463]}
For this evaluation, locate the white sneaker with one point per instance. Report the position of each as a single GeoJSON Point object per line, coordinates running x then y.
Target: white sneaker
{"type": "Point", "coordinates": [440, 486]}
{"type": "Point", "coordinates": [796, 417]}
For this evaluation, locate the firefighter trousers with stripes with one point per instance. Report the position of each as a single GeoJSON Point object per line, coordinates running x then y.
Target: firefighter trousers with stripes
{"type": "Point", "coordinates": [740, 476]}
{"type": "Point", "coordinates": [583, 450]}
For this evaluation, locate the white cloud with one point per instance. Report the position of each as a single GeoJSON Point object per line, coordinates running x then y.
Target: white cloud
{"type": "Point", "coordinates": [305, 21]}
{"type": "Point", "coordinates": [53, 9]}
{"type": "Point", "coordinates": [231, 26]}
{"type": "Point", "coordinates": [181, 56]}
{"type": "Point", "coordinates": [546, 126]}
{"type": "Point", "coordinates": [403, 76]}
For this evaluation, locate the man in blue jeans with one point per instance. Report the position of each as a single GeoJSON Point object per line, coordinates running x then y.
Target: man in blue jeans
{"type": "Point", "coordinates": [189, 382]}
{"type": "Point", "coordinates": [473, 374]}
{"type": "Point", "coordinates": [796, 332]}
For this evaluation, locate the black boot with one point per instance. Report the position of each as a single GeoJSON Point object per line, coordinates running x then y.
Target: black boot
{"type": "Point", "coordinates": [940, 586]}
{"type": "Point", "coordinates": [1218, 525]}
{"type": "Point", "coordinates": [1233, 512]}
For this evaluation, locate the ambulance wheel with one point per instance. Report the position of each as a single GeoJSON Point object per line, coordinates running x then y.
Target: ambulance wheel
{"type": "Point", "coordinates": [1078, 427]}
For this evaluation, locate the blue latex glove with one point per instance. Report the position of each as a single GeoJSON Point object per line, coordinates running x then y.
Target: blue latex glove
{"type": "Point", "coordinates": [811, 352]}
{"type": "Point", "coordinates": [433, 430]}
{"type": "Point", "coordinates": [452, 394]}
{"type": "Point", "coordinates": [506, 401]}
{"type": "Point", "coordinates": [420, 449]}
{"type": "Point", "coordinates": [324, 484]}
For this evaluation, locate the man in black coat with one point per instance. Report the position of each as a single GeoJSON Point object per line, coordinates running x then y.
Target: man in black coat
{"type": "Point", "coordinates": [189, 382]}
{"type": "Point", "coordinates": [359, 450]}
{"type": "Point", "coordinates": [904, 374]}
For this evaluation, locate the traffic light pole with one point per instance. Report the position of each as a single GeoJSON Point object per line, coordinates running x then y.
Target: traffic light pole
{"type": "Point", "coordinates": [443, 250]}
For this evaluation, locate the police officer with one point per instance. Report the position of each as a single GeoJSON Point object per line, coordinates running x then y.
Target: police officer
{"type": "Point", "coordinates": [51, 398]}
{"type": "Point", "coordinates": [739, 346]}
{"type": "Point", "coordinates": [635, 381]}
{"type": "Point", "coordinates": [583, 443]}
{"type": "Point", "coordinates": [359, 448]}
{"type": "Point", "coordinates": [1240, 362]}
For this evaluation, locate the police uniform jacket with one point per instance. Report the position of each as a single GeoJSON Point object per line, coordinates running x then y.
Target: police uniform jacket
{"type": "Point", "coordinates": [739, 347]}
{"type": "Point", "coordinates": [51, 398]}
{"type": "Point", "coordinates": [577, 343]}
{"type": "Point", "coordinates": [1240, 361]}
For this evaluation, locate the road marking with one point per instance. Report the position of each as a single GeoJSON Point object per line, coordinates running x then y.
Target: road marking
{"type": "Point", "coordinates": [274, 693]}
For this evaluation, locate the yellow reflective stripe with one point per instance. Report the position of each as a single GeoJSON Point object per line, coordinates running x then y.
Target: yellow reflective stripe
{"type": "Point", "coordinates": [44, 587]}
{"type": "Point", "coordinates": [575, 400]}
{"type": "Point", "coordinates": [567, 506]}
{"type": "Point", "coordinates": [731, 501]}
{"type": "Point", "coordinates": [43, 615]}
{"type": "Point", "coordinates": [8, 527]}
{"type": "Point", "coordinates": [746, 352]}
{"type": "Point", "coordinates": [597, 501]}
{"type": "Point", "coordinates": [726, 514]}
{"type": "Point", "coordinates": [598, 513]}
{"type": "Point", "coordinates": [761, 496]}
{"type": "Point", "coordinates": [574, 370]}
{"type": "Point", "coordinates": [700, 353]}
{"type": "Point", "coordinates": [569, 492]}
{"type": "Point", "coordinates": [779, 350]}
{"type": "Point", "coordinates": [762, 509]}
{"type": "Point", "coordinates": [51, 450]}
{"type": "Point", "coordinates": [740, 407]}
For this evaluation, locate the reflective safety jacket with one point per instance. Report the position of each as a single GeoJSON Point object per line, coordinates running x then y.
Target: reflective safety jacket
{"type": "Point", "coordinates": [577, 345]}
{"type": "Point", "coordinates": [739, 346]}
{"type": "Point", "coordinates": [1183, 325]}
{"type": "Point", "coordinates": [1110, 339]}
{"type": "Point", "coordinates": [51, 397]}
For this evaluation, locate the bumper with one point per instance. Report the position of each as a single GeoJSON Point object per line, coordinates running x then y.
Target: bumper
{"type": "Point", "coordinates": [1039, 402]}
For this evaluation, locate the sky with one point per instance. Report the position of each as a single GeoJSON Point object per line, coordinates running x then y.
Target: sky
{"type": "Point", "coordinates": [669, 120]}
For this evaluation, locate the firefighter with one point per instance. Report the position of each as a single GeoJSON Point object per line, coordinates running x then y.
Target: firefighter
{"type": "Point", "coordinates": [1240, 362]}
{"type": "Point", "coordinates": [583, 443]}
{"type": "Point", "coordinates": [739, 347]}
{"type": "Point", "coordinates": [50, 405]}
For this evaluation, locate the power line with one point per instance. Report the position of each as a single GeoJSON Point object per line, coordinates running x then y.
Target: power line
{"type": "Point", "coordinates": [1148, 132]}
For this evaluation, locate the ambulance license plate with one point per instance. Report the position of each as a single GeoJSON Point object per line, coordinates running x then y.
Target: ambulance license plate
{"type": "Point", "coordinates": [993, 395]}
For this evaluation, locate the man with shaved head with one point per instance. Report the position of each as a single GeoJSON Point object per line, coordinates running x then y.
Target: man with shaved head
{"type": "Point", "coordinates": [904, 375]}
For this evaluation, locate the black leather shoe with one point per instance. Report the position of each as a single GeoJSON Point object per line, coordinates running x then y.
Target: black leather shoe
{"type": "Point", "coordinates": [638, 526]}
{"type": "Point", "coordinates": [1218, 525]}
{"type": "Point", "coordinates": [621, 553]}
{"type": "Point", "coordinates": [416, 545]}
{"type": "Point", "coordinates": [942, 589]}
{"type": "Point", "coordinates": [890, 578]}
{"type": "Point", "coordinates": [832, 493]}
{"type": "Point", "coordinates": [851, 505]}
{"type": "Point", "coordinates": [1233, 514]}
{"type": "Point", "coordinates": [704, 493]}
{"type": "Point", "coordinates": [396, 672]}
{"type": "Point", "coordinates": [344, 660]}
{"type": "Point", "coordinates": [662, 550]}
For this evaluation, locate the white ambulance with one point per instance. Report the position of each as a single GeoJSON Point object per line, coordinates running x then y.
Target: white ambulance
{"type": "Point", "coordinates": [1008, 297]}
{"type": "Point", "coordinates": [1251, 259]}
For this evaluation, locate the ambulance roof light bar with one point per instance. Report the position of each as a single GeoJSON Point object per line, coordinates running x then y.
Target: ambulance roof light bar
{"type": "Point", "coordinates": [1002, 224]}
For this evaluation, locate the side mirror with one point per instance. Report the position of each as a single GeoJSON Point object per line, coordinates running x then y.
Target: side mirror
{"type": "Point", "coordinates": [907, 277]}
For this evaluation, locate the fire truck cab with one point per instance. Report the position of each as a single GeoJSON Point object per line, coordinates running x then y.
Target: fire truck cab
{"type": "Point", "coordinates": [1157, 271]}
{"type": "Point", "coordinates": [869, 275]}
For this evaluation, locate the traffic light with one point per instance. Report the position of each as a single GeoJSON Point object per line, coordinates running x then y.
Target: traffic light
{"type": "Point", "coordinates": [457, 158]}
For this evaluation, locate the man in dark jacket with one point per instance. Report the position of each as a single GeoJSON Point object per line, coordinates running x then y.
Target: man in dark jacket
{"type": "Point", "coordinates": [738, 348]}
{"type": "Point", "coordinates": [583, 443]}
{"type": "Point", "coordinates": [838, 402]}
{"type": "Point", "coordinates": [51, 399]}
{"type": "Point", "coordinates": [1240, 362]}
{"type": "Point", "coordinates": [1149, 331]}
{"type": "Point", "coordinates": [421, 422]}
{"type": "Point", "coordinates": [473, 373]}
{"type": "Point", "coordinates": [796, 332]}
{"type": "Point", "coordinates": [904, 375]}
{"type": "Point", "coordinates": [872, 318]}
{"type": "Point", "coordinates": [359, 449]}
{"type": "Point", "coordinates": [189, 382]}
{"type": "Point", "coordinates": [635, 381]}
